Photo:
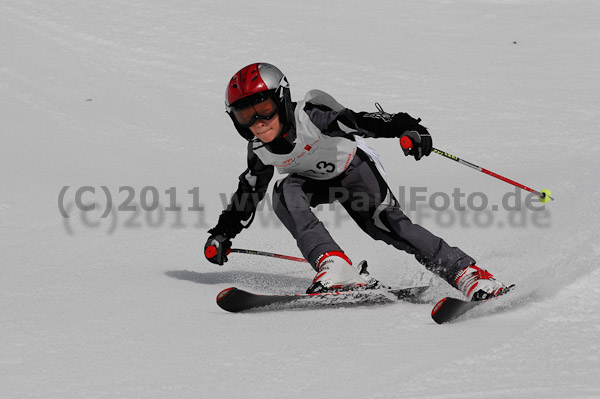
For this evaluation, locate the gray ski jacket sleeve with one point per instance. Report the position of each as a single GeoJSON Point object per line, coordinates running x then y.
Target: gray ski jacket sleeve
{"type": "Point", "coordinates": [252, 187]}
{"type": "Point", "coordinates": [364, 124]}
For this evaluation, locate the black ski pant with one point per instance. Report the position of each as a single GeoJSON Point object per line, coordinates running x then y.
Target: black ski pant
{"type": "Point", "coordinates": [365, 195]}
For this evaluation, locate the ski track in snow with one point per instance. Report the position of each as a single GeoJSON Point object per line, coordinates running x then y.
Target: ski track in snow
{"type": "Point", "coordinates": [131, 94]}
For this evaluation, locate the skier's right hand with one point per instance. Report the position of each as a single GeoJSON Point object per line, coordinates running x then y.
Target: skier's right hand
{"type": "Point", "coordinates": [217, 248]}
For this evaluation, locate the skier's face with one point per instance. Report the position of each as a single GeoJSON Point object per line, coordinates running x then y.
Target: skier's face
{"type": "Point", "coordinates": [266, 130]}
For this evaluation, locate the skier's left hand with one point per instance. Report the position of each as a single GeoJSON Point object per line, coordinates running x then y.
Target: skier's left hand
{"type": "Point", "coordinates": [416, 142]}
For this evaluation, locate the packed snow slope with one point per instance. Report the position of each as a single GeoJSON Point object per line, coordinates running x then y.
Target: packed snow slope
{"type": "Point", "coordinates": [126, 99]}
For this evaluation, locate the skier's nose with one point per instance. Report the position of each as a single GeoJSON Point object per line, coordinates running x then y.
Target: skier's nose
{"type": "Point", "coordinates": [260, 123]}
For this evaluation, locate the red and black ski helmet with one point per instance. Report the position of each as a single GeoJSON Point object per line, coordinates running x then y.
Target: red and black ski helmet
{"type": "Point", "coordinates": [253, 84]}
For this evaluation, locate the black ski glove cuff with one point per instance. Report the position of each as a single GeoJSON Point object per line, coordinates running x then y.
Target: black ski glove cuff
{"type": "Point", "coordinates": [229, 225]}
{"type": "Point", "coordinates": [403, 122]}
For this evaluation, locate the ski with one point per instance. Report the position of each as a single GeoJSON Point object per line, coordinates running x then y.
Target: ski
{"type": "Point", "coordinates": [449, 309]}
{"type": "Point", "coordinates": [237, 300]}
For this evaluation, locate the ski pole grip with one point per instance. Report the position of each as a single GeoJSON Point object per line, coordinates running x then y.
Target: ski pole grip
{"type": "Point", "coordinates": [210, 252]}
{"type": "Point", "coordinates": [406, 143]}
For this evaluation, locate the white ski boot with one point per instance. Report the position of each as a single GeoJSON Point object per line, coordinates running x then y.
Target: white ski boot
{"type": "Point", "coordinates": [478, 284]}
{"type": "Point", "coordinates": [336, 273]}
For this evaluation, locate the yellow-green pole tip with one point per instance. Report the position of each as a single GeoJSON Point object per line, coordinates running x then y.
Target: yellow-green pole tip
{"type": "Point", "coordinates": [545, 197]}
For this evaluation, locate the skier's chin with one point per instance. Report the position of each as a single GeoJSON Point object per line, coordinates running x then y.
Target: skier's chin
{"type": "Point", "coordinates": [267, 136]}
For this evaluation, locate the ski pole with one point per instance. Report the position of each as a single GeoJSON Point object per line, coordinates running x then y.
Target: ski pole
{"type": "Point", "coordinates": [544, 195]}
{"type": "Point", "coordinates": [262, 253]}
{"type": "Point", "coordinates": [212, 251]}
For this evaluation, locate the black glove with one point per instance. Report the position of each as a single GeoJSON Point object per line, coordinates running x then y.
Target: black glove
{"type": "Point", "coordinates": [217, 248]}
{"type": "Point", "coordinates": [416, 142]}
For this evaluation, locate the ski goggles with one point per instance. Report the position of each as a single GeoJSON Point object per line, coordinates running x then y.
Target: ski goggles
{"type": "Point", "coordinates": [247, 116]}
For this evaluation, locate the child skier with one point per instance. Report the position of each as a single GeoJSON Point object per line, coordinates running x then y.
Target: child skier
{"type": "Point", "coordinates": [318, 143]}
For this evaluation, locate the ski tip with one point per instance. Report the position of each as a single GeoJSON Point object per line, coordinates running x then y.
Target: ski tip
{"type": "Point", "coordinates": [448, 309]}
{"type": "Point", "coordinates": [228, 299]}
{"type": "Point", "coordinates": [437, 307]}
{"type": "Point", "coordinates": [223, 294]}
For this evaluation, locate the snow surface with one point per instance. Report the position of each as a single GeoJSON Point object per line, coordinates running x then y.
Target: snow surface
{"type": "Point", "coordinates": [117, 94]}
